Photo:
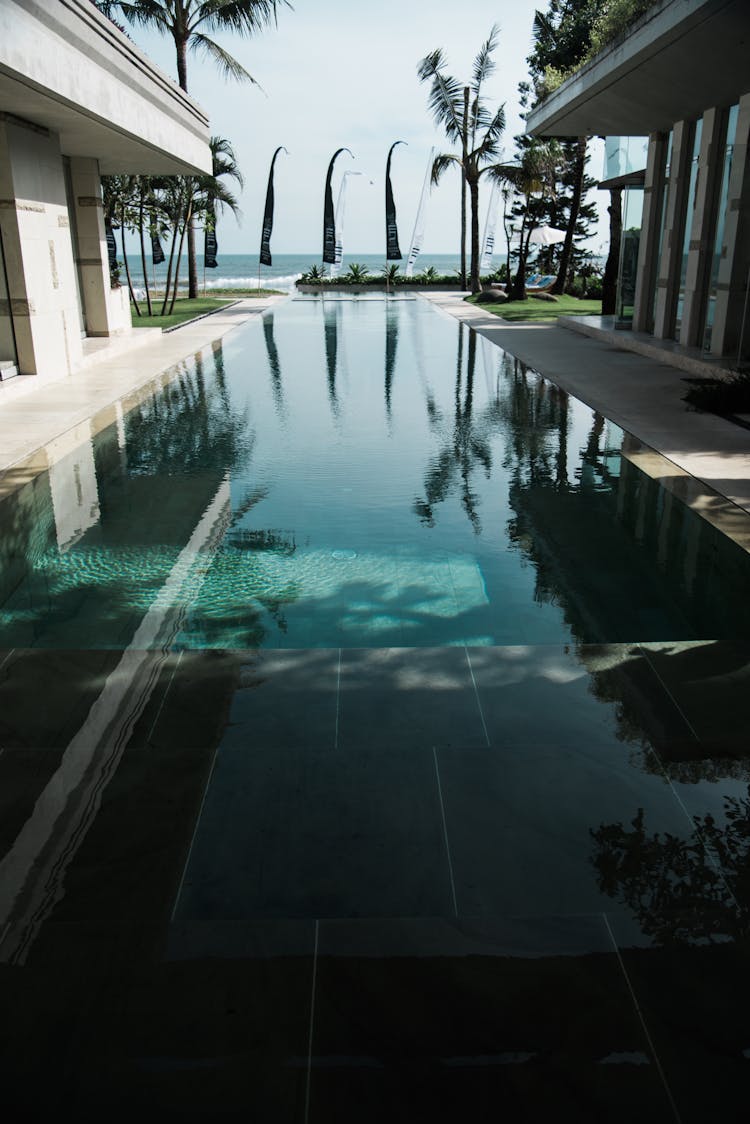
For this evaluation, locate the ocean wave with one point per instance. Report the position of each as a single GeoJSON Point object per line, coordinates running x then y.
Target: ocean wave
{"type": "Point", "coordinates": [284, 282]}
{"type": "Point", "coordinates": [266, 282]}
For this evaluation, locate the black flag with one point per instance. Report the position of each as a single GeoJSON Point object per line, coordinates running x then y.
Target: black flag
{"type": "Point", "coordinates": [329, 226]}
{"type": "Point", "coordinates": [265, 238]}
{"type": "Point", "coordinates": [210, 245]}
{"type": "Point", "coordinates": [392, 251]}
{"type": "Point", "coordinates": [157, 254]}
{"type": "Point", "coordinates": [111, 245]}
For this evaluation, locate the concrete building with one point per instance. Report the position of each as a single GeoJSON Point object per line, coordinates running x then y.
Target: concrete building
{"type": "Point", "coordinates": [681, 77]}
{"type": "Point", "coordinates": [78, 100]}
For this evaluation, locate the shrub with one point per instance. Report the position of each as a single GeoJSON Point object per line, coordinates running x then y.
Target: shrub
{"type": "Point", "coordinates": [721, 396]}
{"type": "Point", "coordinates": [357, 274]}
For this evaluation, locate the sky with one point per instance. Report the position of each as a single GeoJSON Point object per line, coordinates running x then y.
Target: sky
{"type": "Point", "coordinates": [344, 73]}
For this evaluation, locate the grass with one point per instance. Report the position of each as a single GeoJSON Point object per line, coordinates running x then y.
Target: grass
{"type": "Point", "coordinates": [535, 310]}
{"type": "Point", "coordinates": [186, 309]}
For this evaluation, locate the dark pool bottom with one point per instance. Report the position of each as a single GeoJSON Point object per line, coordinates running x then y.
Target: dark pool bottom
{"type": "Point", "coordinates": [376, 884]}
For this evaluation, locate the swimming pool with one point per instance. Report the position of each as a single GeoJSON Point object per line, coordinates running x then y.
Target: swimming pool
{"type": "Point", "coordinates": [357, 473]}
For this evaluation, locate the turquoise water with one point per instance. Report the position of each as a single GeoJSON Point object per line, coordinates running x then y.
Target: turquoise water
{"type": "Point", "coordinates": [354, 473]}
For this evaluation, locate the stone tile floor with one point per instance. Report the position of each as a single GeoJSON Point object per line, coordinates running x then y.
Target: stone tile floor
{"type": "Point", "coordinates": [335, 885]}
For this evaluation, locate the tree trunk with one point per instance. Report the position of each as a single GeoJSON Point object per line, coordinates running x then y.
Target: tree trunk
{"type": "Point", "coordinates": [125, 262]}
{"type": "Point", "coordinates": [143, 257]}
{"type": "Point", "coordinates": [188, 218]}
{"type": "Point", "coordinates": [181, 48]}
{"type": "Point", "coordinates": [474, 190]}
{"type": "Point", "coordinates": [464, 150]}
{"type": "Point", "coordinates": [609, 281]}
{"type": "Point", "coordinates": [181, 45]}
{"type": "Point", "coordinates": [517, 291]}
{"type": "Point", "coordinates": [192, 261]}
{"type": "Point", "coordinates": [168, 281]}
{"type": "Point", "coordinates": [575, 205]}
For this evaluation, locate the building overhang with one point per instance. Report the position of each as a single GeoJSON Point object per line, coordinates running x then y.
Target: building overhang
{"type": "Point", "coordinates": [64, 67]}
{"type": "Point", "coordinates": [628, 179]}
{"type": "Point", "coordinates": [681, 58]}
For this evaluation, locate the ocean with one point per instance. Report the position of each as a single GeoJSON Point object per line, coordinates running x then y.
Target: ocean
{"type": "Point", "coordinates": [240, 271]}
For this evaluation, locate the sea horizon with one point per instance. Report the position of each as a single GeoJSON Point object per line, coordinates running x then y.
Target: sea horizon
{"type": "Point", "coordinates": [242, 271]}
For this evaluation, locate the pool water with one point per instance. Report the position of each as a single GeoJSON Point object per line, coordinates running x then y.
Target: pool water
{"type": "Point", "coordinates": [373, 747]}
{"type": "Point", "coordinates": [354, 473]}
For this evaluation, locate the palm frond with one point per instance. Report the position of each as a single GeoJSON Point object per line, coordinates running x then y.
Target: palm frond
{"type": "Point", "coordinates": [244, 17]}
{"type": "Point", "coordinates": [543, 30]}
{"type": "Point", "coordinates": [484, 64]}
{"type": "Point", "coordinates": [491, 139]}
{"type": "Point", "coordinates": [227, 64]}
{"type": "Point", "coordinates": [446, 94]}
{"type": "Point", "coordinates": [506, 174]}
{"type": "Point", "coordinates": [224, 160]}
{"type": "Point", "coordinates": [147, 13]}
{"type": "Point", "coordinates": [441, 164]}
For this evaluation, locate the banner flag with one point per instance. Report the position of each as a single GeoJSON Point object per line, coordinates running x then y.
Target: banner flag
{"type": "Point", "coordinates": [157, 253]}
{"type": "Point", "coordinates": [329, 223]}
{"type": "Point", "coordinates": [210, 250]}
{"type": "Point", "coordinates": [339, 222]}
{"type": "Point", "coordinates": [488, 242]}
{"type": "Point", "coordinates": [111, 245]}
{"type": "Point", "coordinates": [265, 238]}
{"type": "Point", "coordinates": [210, 245]}
{"type": "Point", "coordinates": [392, 251]}
{"type": "Point", "coordinates": [417, 237]}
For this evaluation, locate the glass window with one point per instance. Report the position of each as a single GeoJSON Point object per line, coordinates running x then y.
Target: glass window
{"type": "Point", "coordinates": [689, 208]}
{"type": "Point", "coordinates": [632, 215]}
{"type": "Point", "coordinates": [721, 215]}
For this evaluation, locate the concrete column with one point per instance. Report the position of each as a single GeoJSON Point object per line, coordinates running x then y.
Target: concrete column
{"type": "Point", "coordinates": [15, 302]}
{"type": "Point", "coordinates": [91, 250]}
{"type": "Point", "coordinates": [648, 250]}
{"type": "Point", "coordinates": [703, 228]}
{"type": "Point", "coordinates": [735, 253]}
{"type": "Point", "coordinates": [38, 250]}
{"type": "Point", "coordinates": [668, 281]}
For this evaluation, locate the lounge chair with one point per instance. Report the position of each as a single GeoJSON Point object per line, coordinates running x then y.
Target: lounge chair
{"type": "Point", "coordinates": [540, 284]}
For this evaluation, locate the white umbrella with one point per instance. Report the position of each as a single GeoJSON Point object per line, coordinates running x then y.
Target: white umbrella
{"type": "Point", "coordinates": [546, 236]}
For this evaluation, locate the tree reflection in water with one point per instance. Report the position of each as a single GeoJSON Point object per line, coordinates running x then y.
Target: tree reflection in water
{"type": "Point", "coordinates": [680, 889]}
{"type": "Point", "coordinates": [465, 445]}
{"type": "Point", "coordinates": [190, 426]}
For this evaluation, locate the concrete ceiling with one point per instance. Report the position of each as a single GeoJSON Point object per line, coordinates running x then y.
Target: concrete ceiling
{"type": "Point", "coordinates": [684, 57]}
{"type": "Point", "coordinates": [83, 134]}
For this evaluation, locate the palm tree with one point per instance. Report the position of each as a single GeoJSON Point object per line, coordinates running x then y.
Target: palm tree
{"type": "Point", "coordinates": [465, 119]}
{"type": "Point", "coordinates": [202, 195]}
{"type": "Point", "coordinates": [215, 195]}
{"type": "Point", "coordinates": [187, 23]}
{"type": "Point", "coordinates": [532, 181]}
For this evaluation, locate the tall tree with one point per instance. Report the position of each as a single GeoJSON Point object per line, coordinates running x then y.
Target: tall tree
{"type": "Point", "coordinates": [466, 120]}
{"type": "Point", "coordinates": [562, 40]}
{"type": "Point", "coordinates": [190, 24]}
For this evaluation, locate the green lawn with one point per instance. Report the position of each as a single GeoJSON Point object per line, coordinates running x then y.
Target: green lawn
{"type": "Point", "coordinates": [185, 309]}
{"type": "Point", "coordinates": [542, 310]}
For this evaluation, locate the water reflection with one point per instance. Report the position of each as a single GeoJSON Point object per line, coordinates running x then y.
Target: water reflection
{"type": "Point", "coordinates": [119, 523]}
{"type": "Point", "coordinates": [464, 442]}
{"type": "Point", "coordinates": [331, 316]}
{"type": "Point", "coordinates": [680, 890]}
{"type": "Point", "coordinates": [274, 366]}
{"type": "Point", "coordinates": [391, 347]}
